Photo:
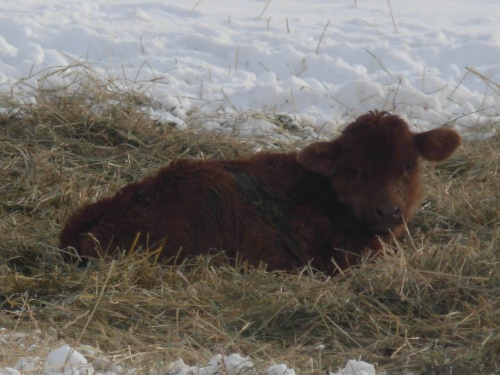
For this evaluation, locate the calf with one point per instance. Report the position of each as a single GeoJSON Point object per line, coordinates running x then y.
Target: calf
{"type": "Point", "coordinates": [325, 205]}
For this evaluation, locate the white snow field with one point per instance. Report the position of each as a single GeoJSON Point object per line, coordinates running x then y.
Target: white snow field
{"type": "Point", "coordinates": [322, 62]}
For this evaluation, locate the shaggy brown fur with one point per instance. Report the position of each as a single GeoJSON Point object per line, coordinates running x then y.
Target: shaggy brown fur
{"type": "Point", "coordinates": [331, 200]}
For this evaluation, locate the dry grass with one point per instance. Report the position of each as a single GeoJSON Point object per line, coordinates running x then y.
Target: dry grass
{"type": "Point", "coordinates": [433, 307]}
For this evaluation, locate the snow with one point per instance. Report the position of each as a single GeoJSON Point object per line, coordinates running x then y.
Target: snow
{"type": "Point", "coordinates": [233, 364]}
{"type": "Point", "coordinates": [325, 62]}
{"type": "Point", "coordinates": [280, 369]}
{"type": "Point", "coordinates": [354, 367]}
{"type": "Point", "coordinates": [66, 360]}
{"type": "Point", "coordinates": [315, 65]}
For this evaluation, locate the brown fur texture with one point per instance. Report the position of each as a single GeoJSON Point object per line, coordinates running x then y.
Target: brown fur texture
{"type": "Point", "coordinates": [330, 201]}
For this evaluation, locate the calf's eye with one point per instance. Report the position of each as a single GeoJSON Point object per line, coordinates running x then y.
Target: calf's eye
{"type": "Point", "coordinates": [408, 167]}
{"type": "Point", "coordinates": [355, 173]}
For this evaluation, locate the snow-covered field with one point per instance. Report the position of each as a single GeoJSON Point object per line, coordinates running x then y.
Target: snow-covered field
{"type": "Point", "coordinates": [323, 61]}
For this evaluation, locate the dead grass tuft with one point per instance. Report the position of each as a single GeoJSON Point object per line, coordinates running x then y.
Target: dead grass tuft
{"type": "Point", "coordinates": [432, 306]}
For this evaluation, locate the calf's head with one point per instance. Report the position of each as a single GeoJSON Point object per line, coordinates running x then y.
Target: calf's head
{"type": "Point", "coordinates": [375, 167]}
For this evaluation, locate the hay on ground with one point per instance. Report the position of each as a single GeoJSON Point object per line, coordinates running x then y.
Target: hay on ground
{"type": "Point", "coordinates": [431, 304]}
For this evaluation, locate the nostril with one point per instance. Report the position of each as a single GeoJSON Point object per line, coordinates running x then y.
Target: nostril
{"type": "Point", "coordinates": [379, 212]}
{"type": "Point", "coordinates": [396, 211]}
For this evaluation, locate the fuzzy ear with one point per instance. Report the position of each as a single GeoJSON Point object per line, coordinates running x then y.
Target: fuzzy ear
{"type": "Point", "coordinates": [438, 144]}
{"type": "Point", "coordinates": [320, 157]}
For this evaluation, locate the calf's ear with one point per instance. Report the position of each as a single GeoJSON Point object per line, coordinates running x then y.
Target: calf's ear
{"type": "Point", "coordinates": [320, 157]}
{"type": "Point", "coordinates": [438, 144]}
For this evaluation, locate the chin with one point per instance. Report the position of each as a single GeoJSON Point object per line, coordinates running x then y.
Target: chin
{"type": "Point", "coordinates": [384, 230]}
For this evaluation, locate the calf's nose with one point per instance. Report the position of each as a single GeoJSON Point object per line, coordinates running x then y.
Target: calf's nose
{"type": "Point", "coordinates": [388, 213]}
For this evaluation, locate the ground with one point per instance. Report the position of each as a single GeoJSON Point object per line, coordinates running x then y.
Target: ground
{"type": "Point", "coordinates": [429, 305]}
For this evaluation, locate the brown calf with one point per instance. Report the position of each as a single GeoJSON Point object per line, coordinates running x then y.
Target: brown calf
{"type": "Point", "coordinates": [331, 200]}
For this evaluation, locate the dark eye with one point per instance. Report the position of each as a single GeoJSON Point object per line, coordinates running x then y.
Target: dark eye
{"type": "Point", "coordinates": [355, 172]}
{"type": "Point", "coordinates": [408, 167]}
